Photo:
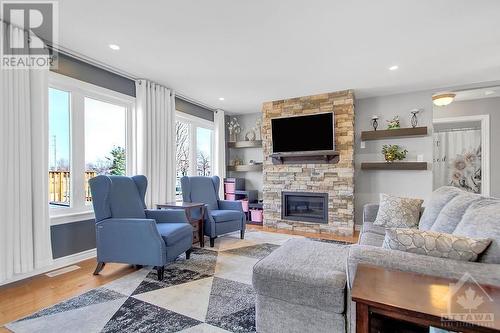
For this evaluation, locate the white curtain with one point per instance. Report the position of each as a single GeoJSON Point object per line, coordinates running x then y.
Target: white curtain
{"type": "Point", "coordinates": [24, 216]}
{"type": "Point", "coordinates": [220, 148]}
{"type": "Point", "coordinates": [155, 107]}
{"type": "Point", "coordinates": [457, 159]}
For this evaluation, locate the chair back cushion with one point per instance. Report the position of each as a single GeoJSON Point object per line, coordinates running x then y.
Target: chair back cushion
{"type": "Point", "coordinates": [201, 189]}
{"type": "Point", "coordinates": [118, 196]}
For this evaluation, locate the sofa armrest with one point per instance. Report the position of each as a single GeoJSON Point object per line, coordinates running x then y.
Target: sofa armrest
{"type": "Point", "coordinates": [132, 241]}
{"type": "Point", "coordinates": [421, 264]}
{"type": "Point", "coordinates": [167, 215]}
{"type": "Point", "coordinates": [230, 205]}
{"type": "Point", "coordinates": [370, 212]}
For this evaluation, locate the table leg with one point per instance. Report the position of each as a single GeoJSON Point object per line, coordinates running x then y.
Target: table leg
{"type": "Point", "coordinates": [362, 318]}
{"type": "Point", "coordinates": [202, 231]}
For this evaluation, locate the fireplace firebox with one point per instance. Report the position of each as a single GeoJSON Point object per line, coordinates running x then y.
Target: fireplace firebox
{"type": "Point", "coordinates": [304, 206]}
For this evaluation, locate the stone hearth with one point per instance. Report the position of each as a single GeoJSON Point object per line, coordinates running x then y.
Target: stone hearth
{"type": "Point", "coordinates": [337, 180]}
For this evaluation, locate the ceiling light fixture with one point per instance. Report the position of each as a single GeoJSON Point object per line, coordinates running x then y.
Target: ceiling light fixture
{"type": "Point", "coordinates": [393, 68]}
{"type": "Point", "coordinates": [221, 98]}
{"type": "Point", "coordinates": [114, 47]}
{"type": "Point", "coordinates": [443, 99]}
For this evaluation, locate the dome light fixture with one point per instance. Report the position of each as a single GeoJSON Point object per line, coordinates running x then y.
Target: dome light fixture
{"type": "Point", "coordinates": [443, 98]}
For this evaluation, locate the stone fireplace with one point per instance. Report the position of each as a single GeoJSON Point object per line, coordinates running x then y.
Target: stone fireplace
{"type": "Point", "coordinates": [311, 196]}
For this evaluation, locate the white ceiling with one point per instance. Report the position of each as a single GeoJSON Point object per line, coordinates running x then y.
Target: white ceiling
{"type": "Point", "coordinates": [260, 50]}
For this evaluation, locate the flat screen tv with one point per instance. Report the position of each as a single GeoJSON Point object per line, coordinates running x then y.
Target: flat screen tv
{"type": "Point", "coordinates": [303, 133]}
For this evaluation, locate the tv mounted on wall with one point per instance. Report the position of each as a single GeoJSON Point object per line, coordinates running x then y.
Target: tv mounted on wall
{"type": "Point", "coordinates": [303, 133]}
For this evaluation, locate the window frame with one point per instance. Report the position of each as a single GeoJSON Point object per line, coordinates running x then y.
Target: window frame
{"type": "Point", "coordinates": [195, 122]}
{"type": "Point", "coordinates": [79, 90]}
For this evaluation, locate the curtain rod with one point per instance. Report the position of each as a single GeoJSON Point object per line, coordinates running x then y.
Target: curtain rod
{"type": "Point", "coordinates": [114, 70]}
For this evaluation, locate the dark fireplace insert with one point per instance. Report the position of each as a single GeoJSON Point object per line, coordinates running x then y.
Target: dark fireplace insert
{"type": "Point", "coordinates": [304, 206]}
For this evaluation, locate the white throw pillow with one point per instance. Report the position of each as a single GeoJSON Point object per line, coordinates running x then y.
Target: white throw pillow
{"type": "Point", "coordinates": [397, 212]}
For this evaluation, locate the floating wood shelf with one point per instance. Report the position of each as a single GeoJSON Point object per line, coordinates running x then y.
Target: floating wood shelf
{"type": "Point", "coordinates": [245, 168]}
{"type": "Point", "coordinates": [245, 144]}
{"type": "Point", "coordinates": [323, 156]}
{"type": "Point", "coordinates": [394, 166]}
{"type": "Point", "coordinates": [394, 133]}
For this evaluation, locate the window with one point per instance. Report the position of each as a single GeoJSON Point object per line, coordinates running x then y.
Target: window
{"type": "Point", "coordinates": [59, 147]}
{"type": "Point", "coordinates": [194, 148]}
{"type": "Point", "coordinates": [90, 132]}
{"type": "Point", "coordinates": [105, 143]}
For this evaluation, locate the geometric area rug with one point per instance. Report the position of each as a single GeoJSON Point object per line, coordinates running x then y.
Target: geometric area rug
{"type": "Point", "coordinates": [209, 293]}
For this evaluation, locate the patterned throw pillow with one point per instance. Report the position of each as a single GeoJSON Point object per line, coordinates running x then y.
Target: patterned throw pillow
{"type": "Point", "coordinates": [435, 244]}
{"type": "Point", "coordinates": [398, 212]}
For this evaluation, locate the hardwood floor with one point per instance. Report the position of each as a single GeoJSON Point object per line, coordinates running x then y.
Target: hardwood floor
{"type": "Point", "coordinates": [22, 298]}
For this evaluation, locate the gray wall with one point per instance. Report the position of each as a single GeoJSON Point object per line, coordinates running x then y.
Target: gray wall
{"type": "Point", "coordinates": [83, 71]}
{"type": "Point", "coordinates": [71, 238]}
{"type": "Point", "coordinates": [253, 180]}
{"type": "Point", "coordinates": [369, 184]}
{"type": "Point", "coordinates": [491, 107]}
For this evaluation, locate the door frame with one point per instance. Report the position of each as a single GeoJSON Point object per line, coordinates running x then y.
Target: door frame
{"type": "Point", "coordinates": [485, 144]}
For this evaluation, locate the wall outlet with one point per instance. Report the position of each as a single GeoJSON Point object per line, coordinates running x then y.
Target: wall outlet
{"type": "Point", "coordinates": [363, 144]}
{"type": "Point", "coordinates": [420, 158]}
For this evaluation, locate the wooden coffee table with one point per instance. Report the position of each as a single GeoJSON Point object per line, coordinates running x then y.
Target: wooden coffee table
{"type": "Point", "coordinates": [419, 301]}
{"type": "Point", "coordinates": [198, 233]}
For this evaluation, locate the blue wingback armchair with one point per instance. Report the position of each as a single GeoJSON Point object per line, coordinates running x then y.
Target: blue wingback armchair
{"type": "Point", "coordinates": [129, 233]}
{"type": "Point", "coordinates": [221, 216]}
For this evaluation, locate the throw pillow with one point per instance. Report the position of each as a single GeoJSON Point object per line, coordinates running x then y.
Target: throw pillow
{"type": "Point", "coordinates": [398, 212]}
{"type": "Point", "coordinates": [435, 244]}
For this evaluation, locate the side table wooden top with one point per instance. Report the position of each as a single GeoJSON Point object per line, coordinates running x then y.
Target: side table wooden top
{"type": "Point", "coordinates": [422, 294]}
{"type": "Point", "coordinates": [180, 204]}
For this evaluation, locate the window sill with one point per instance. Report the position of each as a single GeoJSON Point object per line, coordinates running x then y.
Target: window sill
{"type": "Point", "coordinates": [71, 217]}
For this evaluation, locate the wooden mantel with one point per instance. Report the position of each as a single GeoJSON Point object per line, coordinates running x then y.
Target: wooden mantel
{"type": "Point", "coordinates": [319, 157]}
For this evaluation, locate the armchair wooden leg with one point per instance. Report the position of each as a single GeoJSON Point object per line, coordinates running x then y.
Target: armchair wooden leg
{"type": "Point", "coordinates": [100, 266]}
{"type": "Point", "coordinates": [138, 266]}
{"type": "Point", "coordinates": [188, 253]}
{"type": "Point", "coordinates": [242, 234]}
{"type": "Point", "coordinates": [160, 271]}
{"type": "Point", "coordinates": [212, 241]}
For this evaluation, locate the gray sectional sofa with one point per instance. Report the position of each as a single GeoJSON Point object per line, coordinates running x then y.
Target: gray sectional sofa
{"type": "Point", "coordinates": [304, 286]}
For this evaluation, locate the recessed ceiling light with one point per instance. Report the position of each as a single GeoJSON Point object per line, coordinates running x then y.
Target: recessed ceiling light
{"type": "Point", "coordinates": [114, 47]}
{"type": "Point", "coordinates": [221, 98]}
{"type": "Point", "coordinates": [489, 92]}
{"type": "Point", "coordinates": [393, 68]}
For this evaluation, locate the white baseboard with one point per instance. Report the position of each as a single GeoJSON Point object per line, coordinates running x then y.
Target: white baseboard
{"type": "Point", "coordinates": [56, 264]}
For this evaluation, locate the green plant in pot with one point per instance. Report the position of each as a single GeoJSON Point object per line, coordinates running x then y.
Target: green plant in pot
{"type": "Point", "coordinates": [393, 153]}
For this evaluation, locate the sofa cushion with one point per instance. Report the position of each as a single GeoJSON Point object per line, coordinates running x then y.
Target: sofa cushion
{"type": "Point", "coordinates": [304, 272]}
{"type": "Point", "coordinates": [435, 204]}
{"type": "Point", "coordinates": [435, 244]}
{"type": "Point", "coordinates": [453, 211]}
{"type": "Point", "coordinates": [174, 232]}
{"type": "Point", "coordinates": [226, 215]}
{"type": "Point", "coordinates": [398, 212]}
{"type": "Point", "coordinates": [368, 238]}
{"type": "Point", "coordinates": [482, 220]}
{"type": "Point", "coordinates": [375, 229]}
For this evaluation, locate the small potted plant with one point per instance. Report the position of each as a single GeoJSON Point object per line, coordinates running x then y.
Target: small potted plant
{"type": "Point", "coordinates": [393, 153]}
{"type": "Point", "coordinates": [393, 123]}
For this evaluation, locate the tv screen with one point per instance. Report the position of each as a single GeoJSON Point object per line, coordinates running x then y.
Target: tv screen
{"type": "Point", "coordinates": [303, 133]}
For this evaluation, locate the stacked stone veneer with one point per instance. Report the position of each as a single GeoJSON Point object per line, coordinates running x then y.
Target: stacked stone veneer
{"type": "Point", "coordinates": [335, 179]}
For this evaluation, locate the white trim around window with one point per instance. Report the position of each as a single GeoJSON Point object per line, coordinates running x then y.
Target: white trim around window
{"type": "Point", "coordinates": [79, 90]}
